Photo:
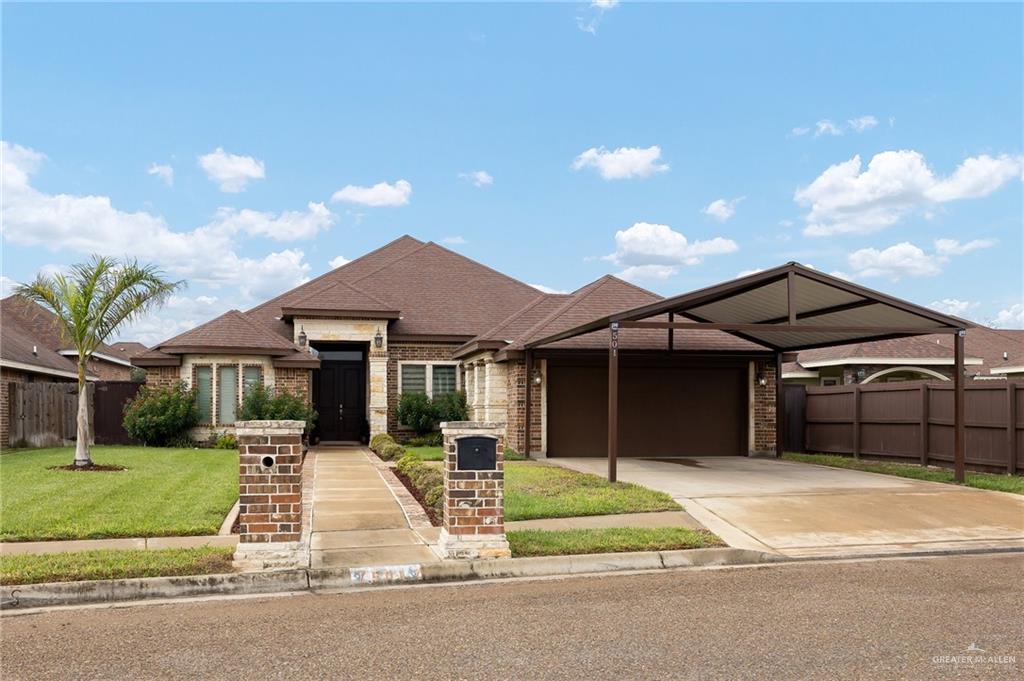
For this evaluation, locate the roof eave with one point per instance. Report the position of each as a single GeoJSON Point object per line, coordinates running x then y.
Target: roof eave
{"type": "Point", "coordinates": [288, 313]}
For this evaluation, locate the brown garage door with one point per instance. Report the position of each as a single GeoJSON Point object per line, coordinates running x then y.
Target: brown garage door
{"type": "Point", "coordinates": [664, 411]}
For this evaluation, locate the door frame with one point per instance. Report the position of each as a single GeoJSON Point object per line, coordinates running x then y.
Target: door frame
{"type": "Point", "coordinates": [323, 350]}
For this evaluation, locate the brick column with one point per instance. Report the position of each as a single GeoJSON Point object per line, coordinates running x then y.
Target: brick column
{"type": "Point", "coordinates": [270, 493]}
{"type": "Point", "coordinates": [474, 500]}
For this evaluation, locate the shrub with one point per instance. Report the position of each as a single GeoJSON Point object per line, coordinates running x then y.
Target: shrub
{"type": "Point", "coordinates": [426, 477]}
{"type": "Point", "coordinates": [451, 407]}
{"type": "Point", "coordinates": [225, 441]}
{"type": "Point", "coordinates": [262, 404]}
{"type": "Point", "coordinates": [391, 451]}
{"type": "Point", "coordinates": [407, 463]}
{"type": "Point", "coordinates": [416, 411]}
{"type": "Point", "coordinates": [379, 440]}
{"type": "Point", "coordinates": [434, 439]}
{"type": "Point", "coordinates": [162, 416]}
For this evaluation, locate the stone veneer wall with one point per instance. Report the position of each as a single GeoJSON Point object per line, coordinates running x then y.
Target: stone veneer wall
{"type": "Point", "coordinates": [764, 408]}
{"type": "Point", "coordinates": [516, 410]}
{"type": "Point", "coordinates": [412, 352]}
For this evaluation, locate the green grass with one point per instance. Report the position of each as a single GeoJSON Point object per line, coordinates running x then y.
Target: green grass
{"type": "Point", "coordinates": [992, 481]}
{"type": "Point", "coordinates": [536, 490]}
{"type": "Point", "coordinates": [607, 540]}
{"type": "Point", "coordinates": [164, 492]}
{"type": "Point", "coordinates": [87, 565]}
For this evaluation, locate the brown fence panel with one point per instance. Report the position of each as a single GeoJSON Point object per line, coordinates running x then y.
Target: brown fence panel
{"type": "Point", "coordinates": [914, 422]}
{"type": "Point", "coordinates": [109, 400]}
{"type": "Point", "coordinates": [44, 414]}
{"type": "Point", "coordinates": [795, 403]}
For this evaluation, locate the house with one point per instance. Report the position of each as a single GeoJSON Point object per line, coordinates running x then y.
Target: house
{"type": "Point", "coordinates": [417, 317]}
{"type": "Point", "coordinates": [992, 354]}
{"type": "Point", "coordinates": [32, 350]}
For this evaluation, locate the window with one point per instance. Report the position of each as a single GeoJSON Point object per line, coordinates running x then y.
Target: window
{"type": "Point", "coordinates": [434, 379]}
{"type": "Point", "coordinates": [252, 376]}
{"type": "Point", "coordinates": [830, 381]}
{"type": "Point", "coordinates": [227, 394]}
{"type": "Point", "coordinates": [204, 393]}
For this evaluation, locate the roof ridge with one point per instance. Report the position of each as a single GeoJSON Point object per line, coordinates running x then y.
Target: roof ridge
{"type": "Point", "coordinates": [632, 285]}
{"type": "Point", "coordinates": [389, 264]}
{"type": "Point", "coordinates": [522, 311]}
{"type": "Point", "coordinates": [574, 300]}
{"type": "Point", "coordinates": [263, 331]}
{"type": "Point", "coordinates": [331, 271]}
{"type": "Point", "coordinates": [479, 264]}
{"type": "Point", "coordinates": [194, 328]}
{"type": "Point", "coordinates": [346, 285]}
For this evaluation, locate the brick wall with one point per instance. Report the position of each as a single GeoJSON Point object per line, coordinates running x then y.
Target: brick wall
{"type": "Point", "coordinates": [8, 376]}
{"type": "Point", "coordinates": [108, 371]}
{"type": "Point", "coordinates": [162, 377]}
{"type": "Point", "coordinates": [295, 381]}
{"type": "Point", "coordinates": [411, 352]}
{"type": "Point", "coordinates": [270, 497]}
{"type": "Point", "coordinates": [516, 410]}
{"type": "Point", "coordinates": [764, 407]}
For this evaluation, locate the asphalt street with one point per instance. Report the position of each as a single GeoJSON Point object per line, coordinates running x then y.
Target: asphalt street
{"type": "Point", "coordinates": [906, 618]}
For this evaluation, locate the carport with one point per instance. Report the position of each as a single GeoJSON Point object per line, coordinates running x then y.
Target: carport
{"type": "Point", "coordinates": [785, 309]}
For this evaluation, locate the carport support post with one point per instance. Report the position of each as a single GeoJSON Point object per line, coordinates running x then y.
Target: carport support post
{"type": "Point", "coordinates": [958, 405]}
{"type": "Point", "coordinates": [780, 407]}
{"type": "Point", "coordinates": [613, 399]}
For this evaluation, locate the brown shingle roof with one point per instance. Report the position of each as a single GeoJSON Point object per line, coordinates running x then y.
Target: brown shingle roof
{"type": "Point", "coordinates": [230, 331]}
{"type": "Point", "coordinates": [17, 345]}
{"type": "Point", "coordinates": [340, 296]}
{"type": "Point", "coordinates": [128, 349]}
{"type": "Point", "coordinates": [41, 324]}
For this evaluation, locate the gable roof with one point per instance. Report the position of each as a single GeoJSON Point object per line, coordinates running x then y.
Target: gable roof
{"type": "Point", "coordinates": [31, 340]}
{"type": "Point", "coordinates": [437, 292]}
{"type": "Point", "coordinates": [128, 349]}
{"type": "Point", "coordinates": [339, 296]}
{"type": "Point", "coordinates": [232, 331]}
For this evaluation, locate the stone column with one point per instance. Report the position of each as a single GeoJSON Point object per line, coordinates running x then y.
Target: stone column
{"type": "Point", "coordinates": [474, 498]}
{"type": "Point", "coordinates": [270, 494]}
{"type": "Point", "coordinates": [378, 407]}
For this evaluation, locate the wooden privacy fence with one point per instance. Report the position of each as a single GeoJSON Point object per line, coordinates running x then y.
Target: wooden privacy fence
{"type": "Point", "coordinates": [45, 414]}
{"type": "Point", "coordinates": [914, 422]}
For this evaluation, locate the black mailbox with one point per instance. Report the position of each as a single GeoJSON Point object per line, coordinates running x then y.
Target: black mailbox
{"type": "Point", "coordinates": [476, 453]}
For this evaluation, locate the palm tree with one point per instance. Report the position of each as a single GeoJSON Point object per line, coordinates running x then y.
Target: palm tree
{"type": "Point", "coordinates": [90, 303]}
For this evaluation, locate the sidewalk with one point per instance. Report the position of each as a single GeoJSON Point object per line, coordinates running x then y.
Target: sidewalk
{"type": "Point", "coordinates": [356, 519]}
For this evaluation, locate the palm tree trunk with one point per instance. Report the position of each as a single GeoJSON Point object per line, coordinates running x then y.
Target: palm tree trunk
{"type": "Point", "coordinates": [82, 457]}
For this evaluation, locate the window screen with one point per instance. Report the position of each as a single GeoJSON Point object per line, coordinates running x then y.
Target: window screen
{"type": "Point", "coordinates": [251, 377]}
{"type": "Point", "coordinates": [414, 378]}
{"type": "Point", "coordinates": [204, 393]}
{"type": "Point", "coordinates": [227, 394]}
{"type": "Point", "coordinates": [443, 380]}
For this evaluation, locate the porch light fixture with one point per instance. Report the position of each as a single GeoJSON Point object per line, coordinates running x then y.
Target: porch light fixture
{"type": "Point", "coordinates": [861, 373]}
{"type": "Point", "coordinates": [378, 339]}
{"type": "Point", "coordinates": [536, 377]}
{"type": "Point", "coordinates": [762, 380]}
{"type": "Point", "coordinates": [302, 337]}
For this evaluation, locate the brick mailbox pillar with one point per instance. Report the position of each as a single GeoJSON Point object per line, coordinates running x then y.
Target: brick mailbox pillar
{"type": "Point", "coordinates": [474, 491]}
{"type": "Point", "coordinates": [269, 493]}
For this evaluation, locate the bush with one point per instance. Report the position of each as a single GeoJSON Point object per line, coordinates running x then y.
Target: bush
{"type": "Point", "coordinates": [407, 463]}
{"type": "Point", "coordinates": [225, 441]}
{"type": "Point", "coordinates": [434, 439]}
{"type": "Point", "coordinates": [379, 440]}
{"type": "Point", "coordinates": [451, 407]}
{"type": "Point", "coordinates": [425, 477]}
{"type": "Point", "coordinates": [416, 411]}
{"type": "Point", "coordinates": [162, 416]}
{"type": "Point", "coordinates": [262, 404]}
{"type": "Point", "coordinates": [391, 451]}
{"type": "Point", "coordinates": [429, 480]}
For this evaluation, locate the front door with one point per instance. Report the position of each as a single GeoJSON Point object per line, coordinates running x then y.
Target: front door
{"type": "Point", "coordinates": [341, 400]}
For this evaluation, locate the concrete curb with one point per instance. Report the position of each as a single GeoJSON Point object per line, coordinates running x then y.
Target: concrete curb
{"type": "Point", "coordinates": [248, 583]}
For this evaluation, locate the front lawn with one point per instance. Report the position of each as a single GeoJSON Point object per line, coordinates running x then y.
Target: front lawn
{"type": "Point", "coordinates": [163, 492]}
{"type": "Point", "coordinates": [991, 481]}
{"type": "Point", "coordinates": [608, 540]}
{"type": "Point", "coordinates": [87, 565]}
{"type": "Point", "coordinates": [536, 490]}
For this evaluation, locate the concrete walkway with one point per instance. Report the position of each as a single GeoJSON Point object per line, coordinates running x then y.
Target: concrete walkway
{"type": "Point", "coordinates": [803, 510]}
{"type": "Point", "coordinates": [356, 519]}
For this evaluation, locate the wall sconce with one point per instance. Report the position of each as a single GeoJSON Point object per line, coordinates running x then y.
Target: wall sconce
{"type": "Point", "coordinates": [378, 339]}
{"type": "Point", "coordinates": [536, 377]}
{"type": "Point", "coordinates": [762, 380]}
{"type": "Point", "coordinates": [861, 374]}
{"type": "Point", "coordinates": [302, 337]}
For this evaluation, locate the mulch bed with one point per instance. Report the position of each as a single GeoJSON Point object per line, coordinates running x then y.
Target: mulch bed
{"type": "Point", "coordinates": [435, 519]}
{"type": "Point", "coordinates": [98, 467]}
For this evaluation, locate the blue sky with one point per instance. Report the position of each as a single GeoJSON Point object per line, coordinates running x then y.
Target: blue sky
{"type": "Point", "coordinates": [245, 147]}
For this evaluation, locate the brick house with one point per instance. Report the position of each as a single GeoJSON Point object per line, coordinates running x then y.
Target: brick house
{"type": "Point", "coordinates": [417, 317]}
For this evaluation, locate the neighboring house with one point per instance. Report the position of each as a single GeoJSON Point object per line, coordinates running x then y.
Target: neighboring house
{"type": "Point", "coordinates": [991, 354]}
{"type": "Point", "coordinates": [32, 350]}
{"type": "Point", "coordinates": [417, 317]}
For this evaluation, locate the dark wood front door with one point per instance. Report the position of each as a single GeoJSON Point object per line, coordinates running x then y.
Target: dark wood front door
{"type": "Point", "coordinates": [341, 400]}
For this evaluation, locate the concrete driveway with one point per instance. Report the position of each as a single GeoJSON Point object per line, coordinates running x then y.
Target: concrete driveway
{"type": "Point", "coordinates": [798, 509]}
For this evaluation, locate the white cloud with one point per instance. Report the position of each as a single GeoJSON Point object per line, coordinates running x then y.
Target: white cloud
{"type": "Point", "coordinates": [1010, 318]}
{"type": "Point", "coordinates": [722, 209]}
{"type": "Point", "coordinates": [454, 240]}
{"type": "Point", "coordinates": [163, 171]}
{"type": "Point", "coordinates": [288, 226]}
{"type": "Point", "coordinates": [380, 194]}
{"type": "Point", "coordinates": [952, 306]}
{"type": "Point", "coordinates": [178, 315]}
{"type": "Point", "coordinates": [589, 20]}
{"type": "Point", "coordinates": [954, 247]}
{"type": "Point", "coordinates": [845, 199]}
{"type": "Point", "coordinates": [863, 123]}
{"type": "Point", "coordinates": [6, 286]}
{"type": "Point", "coordinates": [230, 171]}
{"type": "Point", "coordinates": [622, 163]}
{"type": "Point", "coordinates": [902, 260]}
{"type": "Point", "coordinates": [338, 261]}
{"type": "Point", "coordinates": [826, 127]}
{"type": "Point", "coordinates": [546, 289]}
{"type": "Point", "coordinates": [799, 132]}
{"type": "Point", "coordinates": [656, 251]}
{"type": "Point", "coordinates": [479, 178]}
